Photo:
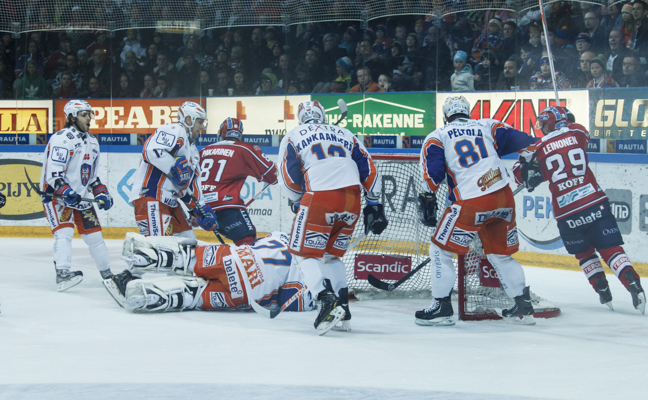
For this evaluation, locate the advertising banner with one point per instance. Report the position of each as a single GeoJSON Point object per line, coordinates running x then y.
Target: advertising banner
{"type": "Point", "coordinates": [619, 113]}
{"type": "Point", "coordinates": [261, 115]}
{"type": "Point", "coordinates": [383, 113]}
{"type": "Point", "coordinates": [128, 115]}
{"type": "Point", "coordinates": [381, 266]}
{"type": "Point", "coordinates": [519, 109]}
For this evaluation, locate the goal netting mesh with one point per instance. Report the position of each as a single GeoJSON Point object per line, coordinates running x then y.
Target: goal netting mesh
{"type": "Point", "coordinates": [406, 242]}
{"type": "Point", "coordinates": [33, 15]}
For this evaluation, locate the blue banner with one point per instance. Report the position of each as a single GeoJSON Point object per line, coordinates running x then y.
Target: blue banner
{"type": "Point", "coordinates": [626, 146]}
{"type": "Point", "coordinates": [383, 142]}
{"type": "Point", "coordinates": [114, 138]}
{"type": "Point", "coordinates": [594, 146]}
{"type": "Point", "coordinates": [259, 140]}
{"type": "Point", "coordinates": [13, 138]}
{"type": "Point", "coordinates": [413, 142]}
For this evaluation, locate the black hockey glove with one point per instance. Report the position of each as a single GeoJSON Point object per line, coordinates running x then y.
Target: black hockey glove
{"type": "Point", "coordinates": [531, 173]}
{"type": "Point", "coordinates": [427, 209]}
{"type": "Point", "coordinates": [375, 219]}
{"type": "Point", "coordinates": [3, 200]}
{"type": "Point", "coordinates": [294, 206]}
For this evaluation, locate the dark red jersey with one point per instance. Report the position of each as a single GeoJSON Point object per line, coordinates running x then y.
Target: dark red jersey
{"type": "Point", "coordinates": [225, 166]}
{"type": "Point", "coordinates": [563, 158]}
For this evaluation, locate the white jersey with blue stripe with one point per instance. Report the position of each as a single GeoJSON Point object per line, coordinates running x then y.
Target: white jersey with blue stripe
{"type": "Point", "coordinates": [318, 157]}
{"type": "Point", "coordinates": [468, 152]}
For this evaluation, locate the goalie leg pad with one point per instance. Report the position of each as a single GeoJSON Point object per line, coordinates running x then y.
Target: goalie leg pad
{"type": "Point", "coordinates": [443, 273]}
{"type": "Point", "coordinates": [164, 294]}
{"type": "Point", "coordinates": [159, 253]}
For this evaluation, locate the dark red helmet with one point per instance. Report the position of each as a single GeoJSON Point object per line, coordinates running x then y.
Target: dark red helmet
{"type": "Point", "coordinates": [232, 128]}
{"type": "Point", "coordinates": [555, 117]}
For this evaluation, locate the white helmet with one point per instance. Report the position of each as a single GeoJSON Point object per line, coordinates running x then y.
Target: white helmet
{"type": "Point", "coordinates": [193, 110]}
{"type": "Point", "coordinates": [455, 105]}
{"type": "Point", "coordinates": [73, 107]}
{"type": "Point", "coordinates": [311, 112]}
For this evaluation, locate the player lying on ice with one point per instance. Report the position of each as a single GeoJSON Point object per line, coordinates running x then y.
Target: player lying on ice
{"type": "Point", "coordinates": [209, 277]}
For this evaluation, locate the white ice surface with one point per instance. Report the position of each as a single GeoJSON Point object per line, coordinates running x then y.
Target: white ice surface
{"type": "Point", "coordinates": [81, 345]}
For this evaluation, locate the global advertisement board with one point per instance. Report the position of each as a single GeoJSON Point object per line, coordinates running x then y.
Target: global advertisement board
{"type": "Point", "coordinates": [619, 113]}
{"type": "Point", "coordinates": [23, 121]}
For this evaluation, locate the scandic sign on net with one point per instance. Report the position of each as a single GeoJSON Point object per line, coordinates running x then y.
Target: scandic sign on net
{"type": "Point", "coordinates": [127, 116]}
{"type": "Point", "coordinates": [382, 267]}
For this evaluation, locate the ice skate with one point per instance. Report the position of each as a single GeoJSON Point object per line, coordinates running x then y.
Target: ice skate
{"type": "Point", "coordinates": [636, 291]}
{"type": "Point", "coordinates": [330, 312]}
{"type": "Point", "coordinates": [603, 289]}
{"type": "Point", "coordinates": [65, 279]}
{"type": "Point", "coordinates": [522, 311]}
{"type": "Point", "coordinates": [344, 325]}
{"type": "Point", "coordinates": [439, 313]}
{"type": "Point", "coordinates": [106, 274]}
{"type": "Point", "coordinates": [116, 286]}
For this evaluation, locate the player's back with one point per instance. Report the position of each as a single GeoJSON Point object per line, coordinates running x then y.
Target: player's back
{"type": "Point", "coordinates": [562, 155]}
{"type": "Point", "coordinates": [326, 154]}
{"type": "Point", "coordinates": [224, 167]}
{"type": "Point", "coordinates": [472, 161]}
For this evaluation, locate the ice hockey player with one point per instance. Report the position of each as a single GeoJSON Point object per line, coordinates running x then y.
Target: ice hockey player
{"type": "Point", "coordinates": [169, 171]}
{"type": "Point", "coordinates": [468, 153]}
{"type": "Point", "coordinates": [581, 208]}
{"type": "Point", "coordinates": [224, 167]}
{"type": "Point", "coordinates": [70, 167]}
{"type": "Point", "coordinates": [208, 277]}
{"type": "Point", "coordinates": [322, 167]}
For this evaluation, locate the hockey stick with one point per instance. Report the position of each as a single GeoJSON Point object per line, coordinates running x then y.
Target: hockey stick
{"type": "Point", "coordinates": [59, 196]}
{"type": "Point", "coordinates": [202, 214]}
{"type": "Point", "coordinates": [377, 283]}
{"type": "Point", "coordinates": [551, 63]}
{"type": "Point", "coordinates": [257, 195]}
{"type": "Point", "coordinates": [343, 110]}
{"type": "Point", "coordinates": [519, 189]}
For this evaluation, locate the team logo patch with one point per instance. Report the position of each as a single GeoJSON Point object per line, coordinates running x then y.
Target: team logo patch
{"type": "Point", "coordinates": [209, 256]}
{"type": "Point", "coordinates": [502, 213]}
{"type": "Point", "coordinates": [447, 223]}
{"type": "Point", "coordinates": [89, 219]}
{"type": "Point", "coordinates": [346, 216]}
{"type": "Point", "coordinates": [165, 139]}
{"type": "Point", "coordinates": [316, 240]}
{"type": "Point", "coordinates": [59, 154]}
{"type": "Point", "coordinates": [86, 171]}
{"type": "Point", "coordinates": [512, 237]}
{"type": "Point", "coordinates": [489, 179]}
{"type": "Point", "coordinates": [462, 237]}
{"type": "Point", "coordinates": [342, 242]}
{"type": "Point", "coordinates": [217, 300]}
{"type": "Point", "coordinates": [576, 195]}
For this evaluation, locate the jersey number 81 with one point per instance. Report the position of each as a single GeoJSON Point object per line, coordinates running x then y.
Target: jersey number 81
{"type": "Point", "coordinates": [465, 149]}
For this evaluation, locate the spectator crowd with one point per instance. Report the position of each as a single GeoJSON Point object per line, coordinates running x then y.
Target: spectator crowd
{"type": "Point", "coordinates": [592, 46]}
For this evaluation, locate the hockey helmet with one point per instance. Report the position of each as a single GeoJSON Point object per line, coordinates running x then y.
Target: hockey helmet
{"type": "Point", "coordinates": [455, 105]}
{"type": "Point", "coordinates": [192, 110]}
{"type": "Point", "coordinates": [311, 112]}
{"type": "Point", "coordinates": [555, 117]}
{"type": "Point", "coordinates": [73, 107]}
{"type": "Point", "coordinates": [232, 128]}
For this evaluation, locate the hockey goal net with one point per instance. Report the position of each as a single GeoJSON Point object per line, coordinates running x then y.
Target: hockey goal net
{"type": "Point", "coordinates": [404, 245]}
